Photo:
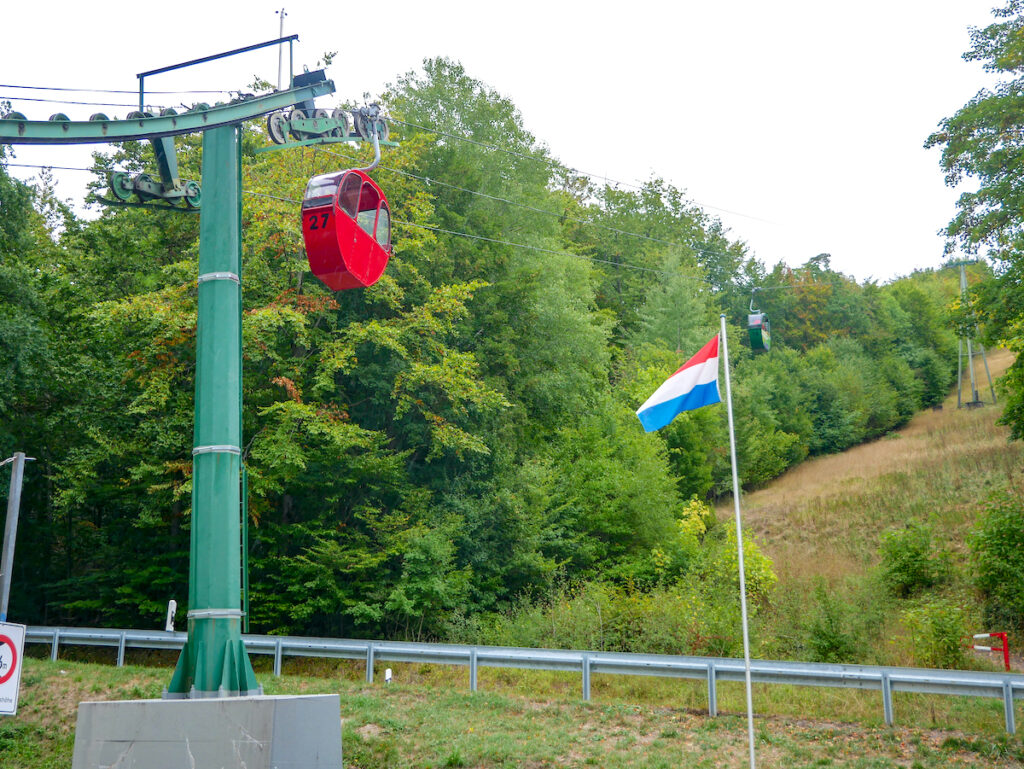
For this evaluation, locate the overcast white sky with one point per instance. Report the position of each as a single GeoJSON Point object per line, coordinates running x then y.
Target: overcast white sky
{"type": "Point", "coordinates": [799, 123]}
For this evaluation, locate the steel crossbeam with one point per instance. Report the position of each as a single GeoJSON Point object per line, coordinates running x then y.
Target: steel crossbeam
{"type": "Point", "coordinates": [16, 131]}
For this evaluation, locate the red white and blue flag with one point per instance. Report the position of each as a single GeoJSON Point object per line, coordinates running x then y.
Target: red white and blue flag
{"type": "Point", "coordinates": [694, 385]}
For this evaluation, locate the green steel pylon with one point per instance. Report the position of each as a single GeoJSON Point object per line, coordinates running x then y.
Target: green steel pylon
{"type": "Point", "coordinates": [214, 662]}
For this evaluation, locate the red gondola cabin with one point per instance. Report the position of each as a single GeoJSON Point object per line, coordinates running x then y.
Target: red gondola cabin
{"type": "Point", "coordinates": [346, 226]}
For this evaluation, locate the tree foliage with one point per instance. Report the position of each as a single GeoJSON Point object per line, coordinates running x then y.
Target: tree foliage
{"type": "Point", "coordinates": [984, 143]}
{"type": "Point", "coordinates": [456, 440]}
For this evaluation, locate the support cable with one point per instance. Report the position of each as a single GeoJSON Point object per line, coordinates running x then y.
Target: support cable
{"type": "Point", "coordinates": [103, 90]}
{"type": "Point", "coordinates": [497, 241]}
{"type": "Point", "coordinates": [84, 103]}
{"type": "Point", "coordinates": [567, 217]}
{"type": "Point", "coordinates": [555, 164]}
{"type": "Point", "coordinates": [468, 235]}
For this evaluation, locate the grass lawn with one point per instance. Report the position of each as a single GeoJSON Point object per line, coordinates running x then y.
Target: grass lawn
{"type": "Point", "coordinates": [427, 722]}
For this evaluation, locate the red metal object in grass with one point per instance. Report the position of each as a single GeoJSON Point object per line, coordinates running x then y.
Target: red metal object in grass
{"type": "Point", "coordinates": [346, 226]}
{"type": "Point", "coordinates": [1005, 648]}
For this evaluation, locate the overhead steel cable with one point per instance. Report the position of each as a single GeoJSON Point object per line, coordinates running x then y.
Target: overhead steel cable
{"type": "Point", "coordinates": [429, 129]}
{"type": "Point", "coordinates": [68, 101]}
{"type": "Point", "coordinates": [293, 201]}
{"type": "Point", "coordinates": [565, 216]}
{"type": "Point", "coordinates": [471, 236]}
{"type": "Point", "coordinates": [102, 90]}
{"type": "Point", "coordinates": [555, 164]}
{"type": "Point", "coordinates": [532, 248]}
{"type": "Point", "coordinates": [539, 159]}
{"type": "Point", "coordinates": [54, 168]}
{"type": "Point", "coordinates": [497, 241]}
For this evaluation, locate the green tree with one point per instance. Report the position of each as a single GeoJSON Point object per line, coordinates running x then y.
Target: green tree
{"type": "Point", "coordinates": [984, 142]}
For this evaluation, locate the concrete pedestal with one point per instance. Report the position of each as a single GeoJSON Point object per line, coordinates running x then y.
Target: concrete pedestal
{"type": "Point", "coordinates": [251, 732]}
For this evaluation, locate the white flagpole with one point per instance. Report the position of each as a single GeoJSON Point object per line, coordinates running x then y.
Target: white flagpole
{"type": "Point", "coordinates": [739, 546]}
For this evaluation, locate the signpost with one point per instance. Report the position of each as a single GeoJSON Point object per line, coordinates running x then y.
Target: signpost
{"type": "Point", "coordinates": [11, 527]}
{"type": "Point", "coordinates": [12, 647]}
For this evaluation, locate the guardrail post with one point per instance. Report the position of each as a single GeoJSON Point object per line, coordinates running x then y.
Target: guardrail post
{"type": "Point", "coordinates": [712, 690]}
{"type": "Point", "coordinates": [586, 677]}
{"type": "Point", "coordinates": [277, 658]}
{"type": "Point", "coordinates": [472, 669]}
{"type": "Point", "coordinates": [1011, 726]}
{"type": "Point", "coordinates": [56, 643]}
{"type": "Point", "coordinates": [369, 663]}
{"type": "Point", "coordinates": [887, 699]}
{"type": "Point", "coordinates": [120, 651]}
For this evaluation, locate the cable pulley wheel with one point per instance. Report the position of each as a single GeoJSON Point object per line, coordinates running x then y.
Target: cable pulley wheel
{"type": "Point", "coordinates": [340, 132]}
{"type": "Point", "coordinates": [193, 194]}
{"type": "Point", "coordinates": [365, 125]}
{"type": "Point", "coordinates": [296, 114]}
{"type": "Point", "coordinates": [121, 185]}
{"type": "Point", "coordinates": [277, 128]}
{"type": "Point", "coordinates": [359, 124]}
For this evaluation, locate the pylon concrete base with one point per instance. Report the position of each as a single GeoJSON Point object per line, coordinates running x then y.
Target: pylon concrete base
{"type": "Point", "coordinates": [301, 732]}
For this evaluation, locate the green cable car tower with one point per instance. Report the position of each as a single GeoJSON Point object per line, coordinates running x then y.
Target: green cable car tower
{"type": "Point", "coordinates": [214, 662]}
{"type": "Point", "coordinates": [208, 716]}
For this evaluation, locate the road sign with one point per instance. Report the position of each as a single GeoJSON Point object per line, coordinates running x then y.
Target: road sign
{"type": "Point", "coordinates": [12, 647]}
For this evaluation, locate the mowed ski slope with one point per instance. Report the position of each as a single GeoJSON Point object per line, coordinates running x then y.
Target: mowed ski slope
{"type": "Point", "coordinates": [825, 517]}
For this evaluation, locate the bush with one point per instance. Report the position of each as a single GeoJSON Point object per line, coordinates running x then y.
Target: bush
{"type": "Point", "coordinates": [719, 568]}
{"type": "Point", "coordinates": [997, 550]}
{"type": "Point", "coordinates": [909, 564]}
{"type": "Point", "coordinates": [938, 628]}
{"type": "Point", "coordinates": [687, 618]}
{"type": "Point", "coordinates": [829, 634]}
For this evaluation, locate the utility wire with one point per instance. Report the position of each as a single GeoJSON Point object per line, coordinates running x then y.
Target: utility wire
{"type": "Point", "coordinates": [100, 90]}
{"type": "Point", "coordinates": [67, 101]}
{"type": "Point", "coordinates": [567, 217]}
{"type": "Point", "coordinates": [555, 164]}
{"type": "Point", "coordinates": [55, 168]}
{"type": "Point", "coordinates": [471, 236]}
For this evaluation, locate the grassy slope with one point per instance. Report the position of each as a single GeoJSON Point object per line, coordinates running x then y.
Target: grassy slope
{"type": "Point", "coordinates": [824, 517]}
{"type": "Point", "coordinates": [823, 521]}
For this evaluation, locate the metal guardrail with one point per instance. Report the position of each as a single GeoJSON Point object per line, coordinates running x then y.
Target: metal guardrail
{"type": "Point", "coordinates": [887, 680]}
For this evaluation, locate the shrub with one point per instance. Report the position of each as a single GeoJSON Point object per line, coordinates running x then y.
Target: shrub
{"type": "Point", "coordinates": [686, 618]}
{"type": "Point", "coordinates": [720, 568]}
{"type": "Point", "coordinates": [938, 628]}
{"type": "Point", "coordinates": [997, 549]}
{"type": "Point", "coordinates": [675, 557]}
{"type": "Point", "coordinates": [829, 635]}
{"type": "Point", "coordinates": [909, 564]}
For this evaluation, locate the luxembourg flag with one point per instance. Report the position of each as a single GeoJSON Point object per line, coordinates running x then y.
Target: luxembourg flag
{"type": "Point", "coordinates": [692, 386]}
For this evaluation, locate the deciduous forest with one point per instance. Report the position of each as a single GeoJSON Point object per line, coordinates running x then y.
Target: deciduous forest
{"type": "Point", "coordinates": [429, 455]}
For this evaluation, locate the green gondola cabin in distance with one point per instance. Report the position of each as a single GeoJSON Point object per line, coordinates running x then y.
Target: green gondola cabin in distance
{"type": "Point", "coordinates": [759, 329]}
